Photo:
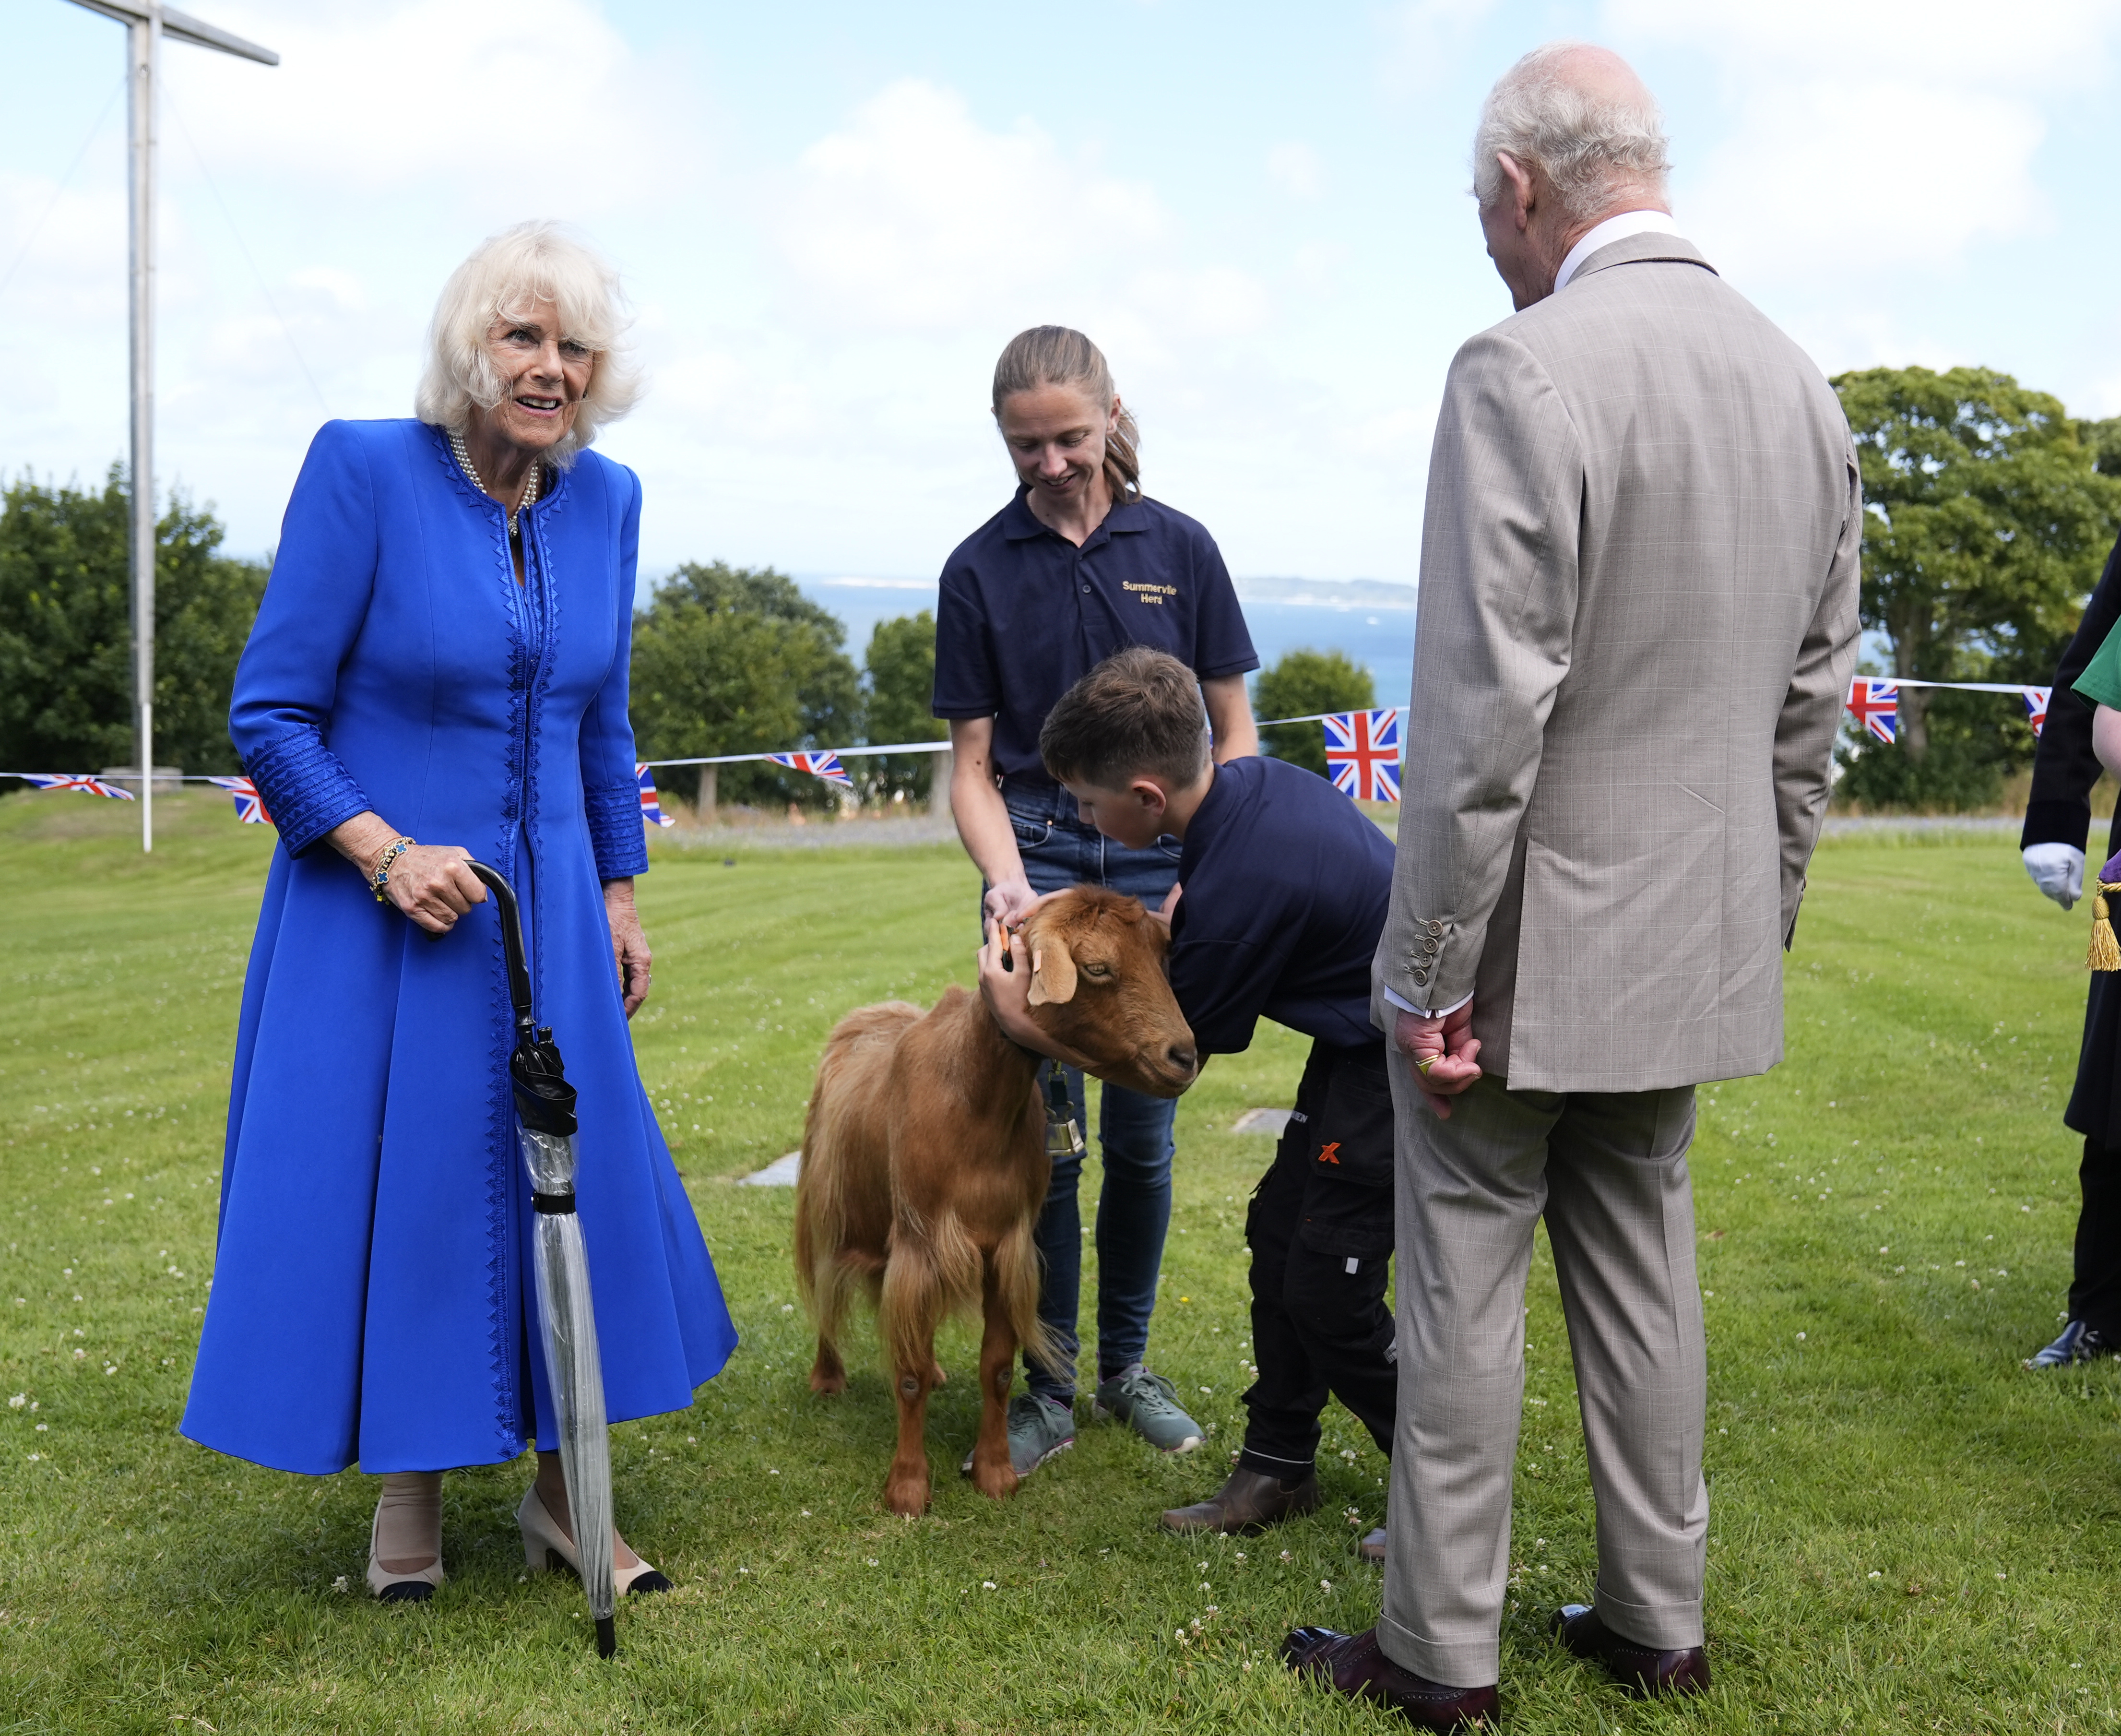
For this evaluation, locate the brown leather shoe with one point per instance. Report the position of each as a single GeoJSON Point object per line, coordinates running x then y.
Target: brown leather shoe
{"type": "Point", "coordinates": [1250, 1502]}
{"type": "Point", "coordinates": [1640, 1669]}
{"type": "Point", "coordinates": [1355, 1665]}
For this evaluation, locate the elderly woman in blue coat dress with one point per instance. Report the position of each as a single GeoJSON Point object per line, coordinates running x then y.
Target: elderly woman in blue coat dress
{"type": "Point", "coordinates": [438, 673]}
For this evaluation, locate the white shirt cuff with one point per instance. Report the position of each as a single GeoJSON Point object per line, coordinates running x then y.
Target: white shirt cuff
{"type": "Point", "coordinates": [1424, 1012]}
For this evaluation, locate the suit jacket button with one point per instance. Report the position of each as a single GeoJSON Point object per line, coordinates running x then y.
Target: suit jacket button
{"type": "Point", "coordinates": [1435, 927]}
{"type": "Point", "coordinates": [1421, 975]}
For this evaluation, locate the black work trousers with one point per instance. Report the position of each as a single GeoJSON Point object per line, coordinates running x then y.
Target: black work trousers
{"type": "Point", "coordinates": [2095, 1289]}
{"type": "Point", "coordinates": [1321, 1229]}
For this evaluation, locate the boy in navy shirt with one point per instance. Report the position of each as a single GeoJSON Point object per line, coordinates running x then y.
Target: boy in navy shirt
{"type": "Point", "coordinates": [1282, 890]}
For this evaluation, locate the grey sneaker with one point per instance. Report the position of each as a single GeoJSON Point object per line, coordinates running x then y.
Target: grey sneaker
{"type": "Point", "coordinates": [1037, 1428]}
{"type": "Point", "coordinates": [1149, 1404]}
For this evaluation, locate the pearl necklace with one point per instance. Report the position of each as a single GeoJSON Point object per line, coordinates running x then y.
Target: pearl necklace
{"type": "Point", "coordinates": [529, 485]}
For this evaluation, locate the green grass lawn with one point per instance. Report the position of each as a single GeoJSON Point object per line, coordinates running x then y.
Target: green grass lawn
{"type": "Point", "coordinates": [1908, 1533]}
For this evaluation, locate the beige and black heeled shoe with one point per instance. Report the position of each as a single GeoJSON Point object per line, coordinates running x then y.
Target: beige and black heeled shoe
{"type": "Point", "coordinates": [401, 1588]}
{"type": "Point", "coordinates": [545, 1548]}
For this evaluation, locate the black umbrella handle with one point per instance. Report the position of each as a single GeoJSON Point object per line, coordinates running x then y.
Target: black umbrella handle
{"type": "Point", "coordinates": [543, 1098]}
{"type": "Point", "coordinates": [511, 941]}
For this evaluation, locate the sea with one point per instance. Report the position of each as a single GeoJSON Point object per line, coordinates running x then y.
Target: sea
{"type": "Point", "coordinates": [1369, 621]}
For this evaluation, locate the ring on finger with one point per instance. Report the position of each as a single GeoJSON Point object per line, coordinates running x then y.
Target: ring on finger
{"type": "Point", "coordinates": [1422, 1063]}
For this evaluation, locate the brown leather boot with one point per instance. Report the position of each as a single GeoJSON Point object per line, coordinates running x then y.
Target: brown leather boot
{"type": "Point", "coordinates": [1250, 1502]}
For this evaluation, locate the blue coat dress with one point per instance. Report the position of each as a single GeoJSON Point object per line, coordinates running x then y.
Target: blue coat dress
{"type": "Point", "coordinates": [373, 1299]}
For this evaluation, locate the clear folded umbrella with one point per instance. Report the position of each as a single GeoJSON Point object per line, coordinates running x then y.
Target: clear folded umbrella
{"type": "Point", "coordinates": [545, 1111]}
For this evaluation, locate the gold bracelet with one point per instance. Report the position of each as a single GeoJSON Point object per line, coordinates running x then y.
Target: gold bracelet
{"type": "Point", "coordinates": [379, 881]}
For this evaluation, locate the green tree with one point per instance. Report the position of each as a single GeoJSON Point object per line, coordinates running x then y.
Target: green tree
{"type": "Point", "coordinates": [1302, 684]}
{"type": "Point", "coordinates": [66, 639]}
{"type": "Point", "coordinates": [900, 670]}
{"type": "Point", "coordinates": [735, 660]}
{"type": "Point", "coordinates": [1987, 520]}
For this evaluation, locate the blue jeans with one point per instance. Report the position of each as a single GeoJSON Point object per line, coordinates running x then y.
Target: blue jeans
{"type": "Point", "coordinates": [1134, 1132]}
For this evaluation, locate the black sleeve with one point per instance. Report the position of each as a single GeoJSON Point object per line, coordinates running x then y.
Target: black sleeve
{"type": "Point", "coordinates": [2058, 810]}
{"type": "Point", "coordinates": [967, 683]}
{"type": "Point", "coordinates": [1223, 979]}
{"type": "Point", "coordinates": [1222, 642]}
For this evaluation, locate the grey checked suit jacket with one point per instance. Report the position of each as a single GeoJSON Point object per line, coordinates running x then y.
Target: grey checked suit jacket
{"type": "Point", "coordinates": [1636, 626]}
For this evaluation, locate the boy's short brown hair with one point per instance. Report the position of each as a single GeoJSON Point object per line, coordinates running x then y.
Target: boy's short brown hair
{"type": "Point", "coordinates": [1137, 714]}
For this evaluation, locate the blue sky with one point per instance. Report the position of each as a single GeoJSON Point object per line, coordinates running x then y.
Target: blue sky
{"type": "Point", "coordinates": [830, 217]}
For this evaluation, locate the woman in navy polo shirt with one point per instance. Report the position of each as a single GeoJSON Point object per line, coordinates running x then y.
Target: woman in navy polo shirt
{"type": "Point", "coordinates": [1078, 566]}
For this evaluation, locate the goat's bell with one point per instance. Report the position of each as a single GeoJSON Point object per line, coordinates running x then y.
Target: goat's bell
{"type": "Point", "coordinates": [1064, 1138]}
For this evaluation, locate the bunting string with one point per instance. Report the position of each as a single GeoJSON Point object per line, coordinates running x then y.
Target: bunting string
{"type": "Point", "coordinates": [1363, 750]}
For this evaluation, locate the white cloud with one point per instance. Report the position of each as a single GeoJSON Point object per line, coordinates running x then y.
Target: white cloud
{"type": "Point", "coordinates": [914, 217]}
{"type": "Point", "coordinates": [1871, 137]}
{"type": "Point", "coordinates": [536, 102]}
{"type": "Point", "coordinates": [1973, 43]}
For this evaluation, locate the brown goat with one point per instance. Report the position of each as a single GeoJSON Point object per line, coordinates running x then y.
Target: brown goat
{"type": "Point", "coordinates": [925, 1162]}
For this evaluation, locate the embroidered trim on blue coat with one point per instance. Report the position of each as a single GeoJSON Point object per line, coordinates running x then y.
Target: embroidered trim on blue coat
{"type": "Point", "coordinates": [307, 789]}
{"type": "Point", "coordinates": [613, 811]}
{"type": "Point", "coordinates": [509, 1405]}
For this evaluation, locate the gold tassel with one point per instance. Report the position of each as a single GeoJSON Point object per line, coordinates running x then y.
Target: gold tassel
{"type": "Point", "coordinates": [2105, 955]}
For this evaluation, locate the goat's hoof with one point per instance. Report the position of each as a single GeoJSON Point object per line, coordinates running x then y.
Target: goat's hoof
{"type": "Point", "coordinates": [936, 1377]}
{"type": "Point", "coordinates": [828, 1380]}
{"type": "Point", "coordinates": [907, 1497]}
{"type": "Point", "coordinates": [998, 1481]}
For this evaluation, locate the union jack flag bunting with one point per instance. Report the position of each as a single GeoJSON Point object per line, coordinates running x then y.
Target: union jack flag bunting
{"type": "Point", "coordinates": [651, 803]}
{"type": "Point", "coordinates": [76, 781]}
{"type": "Point", "coordinates": [1362, 752]}
{"type": "Point", "coordinates": [2036, 707]}
{"type": "Point", "coordinates": [825, 765]}
{"type": "Point", "coordinates": [1876, 707]}
{"type": "Point", "coordinates": [249, 805]}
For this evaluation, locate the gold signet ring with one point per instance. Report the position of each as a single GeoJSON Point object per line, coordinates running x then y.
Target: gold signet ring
{"type": "Point", "coordinates": [1425, 1063]}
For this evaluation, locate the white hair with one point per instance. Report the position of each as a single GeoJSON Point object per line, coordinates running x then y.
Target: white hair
{"type": "Point", "coordinates": [507, 275]}
{"type": "Point", "coordinates": [1591, 148]}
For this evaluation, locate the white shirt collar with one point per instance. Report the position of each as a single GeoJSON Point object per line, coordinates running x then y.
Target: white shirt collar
{"type": "Point", "coordinates": [1616, 228]}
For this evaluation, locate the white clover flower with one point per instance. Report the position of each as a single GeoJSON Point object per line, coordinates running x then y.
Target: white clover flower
{"type": "Point", "coordinates": [18, 1400]}
{"type": "Point", "coordinates": [988, 1585]}
{"type": "Point", "coordinates": [1325, 1584]}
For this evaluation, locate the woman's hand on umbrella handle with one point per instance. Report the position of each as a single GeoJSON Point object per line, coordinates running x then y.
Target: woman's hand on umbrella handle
{"type": "Point", "coordinates": [431, 883]}
{"type": "Point", "coordinates": [629, 945]}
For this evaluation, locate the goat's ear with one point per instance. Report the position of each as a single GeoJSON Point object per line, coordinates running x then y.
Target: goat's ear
{"type": "Point", "coordinates": [1052, 971]}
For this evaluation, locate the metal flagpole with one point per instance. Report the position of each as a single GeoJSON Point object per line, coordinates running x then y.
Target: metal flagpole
{"type": "Point", "coordinates": [146, 22]}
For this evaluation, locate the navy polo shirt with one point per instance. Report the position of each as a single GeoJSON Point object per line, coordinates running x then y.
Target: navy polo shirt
{"type": "Point", "coordinates": [1024, 615]}
{"type": "Point", "coordinates": [1286, 888]}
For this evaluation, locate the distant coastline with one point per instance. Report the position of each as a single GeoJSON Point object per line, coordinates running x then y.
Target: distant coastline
{"type": "Point", "coordinates": [1365, 594]}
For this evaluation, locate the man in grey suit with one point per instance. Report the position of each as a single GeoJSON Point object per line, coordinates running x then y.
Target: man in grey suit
{"type": "Point", "coordinates": [1637, 624]}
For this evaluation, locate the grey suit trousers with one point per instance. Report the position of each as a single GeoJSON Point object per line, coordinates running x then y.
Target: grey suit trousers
{"type": "Point", "coordinates": [1608, 1170]}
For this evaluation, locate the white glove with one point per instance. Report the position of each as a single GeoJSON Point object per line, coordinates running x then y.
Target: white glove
{"type": "Point", "coordinates": [2057, 869]}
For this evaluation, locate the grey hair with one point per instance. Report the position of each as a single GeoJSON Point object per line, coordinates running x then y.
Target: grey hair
{"type": "Point", "coordinates": [1590, 148]}
{"type": "Point", "coordinates": [507, 275]}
